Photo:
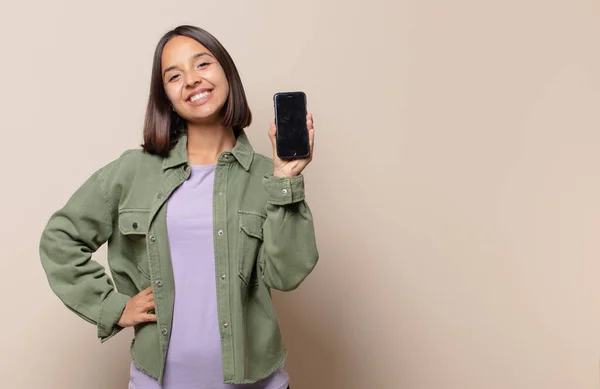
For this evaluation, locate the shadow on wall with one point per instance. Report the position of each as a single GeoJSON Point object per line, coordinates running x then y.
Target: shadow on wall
{"type": "Point", "coordinates": [315, 332]}
{"type": "Point", "coordinates": [316, 357]}
{"type": "Point", "coordinates": [77, 359]}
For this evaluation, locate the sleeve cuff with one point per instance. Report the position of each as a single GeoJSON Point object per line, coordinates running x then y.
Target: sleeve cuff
{"type": "Point", "coordinates": [284, 190]}
{"type": "Point", "coordinates": [110, 313]}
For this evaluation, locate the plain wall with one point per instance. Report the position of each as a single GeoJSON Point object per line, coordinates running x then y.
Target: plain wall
{"type": "Point", "coordinates": [455, 183]}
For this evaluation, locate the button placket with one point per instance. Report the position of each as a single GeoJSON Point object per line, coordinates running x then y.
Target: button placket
{"type": "Point", "coordinates": [221, 252]}
{"type": "Point", "coordinates": [173, 179]}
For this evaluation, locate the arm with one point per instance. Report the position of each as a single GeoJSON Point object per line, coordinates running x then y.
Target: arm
{"type": "Point", "coordinates": [289, 251]}
{"type": "Point", "coordinates": [70, 238]}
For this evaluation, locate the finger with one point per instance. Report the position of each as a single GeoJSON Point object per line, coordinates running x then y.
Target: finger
{"type": "Point", "coordinates": [273, 133]}
{"type": "Point", "coordinates": [310, 121]}
{"type": "Point", "coordinates": [273, 137]}
{"type": "Point", "coordinates": [147, 317]}
{"type": "Point", "coordinates": [149, 298]}
{"type": "Point", "coordinates": [149, 306]}
{"type": "Point", "coordinates": [146, 291]}
{"type": "Point", "coordinates": [311, 138]}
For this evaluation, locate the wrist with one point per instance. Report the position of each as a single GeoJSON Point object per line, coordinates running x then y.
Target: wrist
{"type": "Point", "coordinates": [279, 173]}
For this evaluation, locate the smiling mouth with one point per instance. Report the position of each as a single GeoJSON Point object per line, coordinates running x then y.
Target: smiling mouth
{"type": "Point", "coordinates": [199, 96]}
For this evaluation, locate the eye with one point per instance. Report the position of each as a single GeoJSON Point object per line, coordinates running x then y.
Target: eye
{"type": "Point", "coordinates": [173, 77]}
{"type": "Point", "coordinates": [203, 65]}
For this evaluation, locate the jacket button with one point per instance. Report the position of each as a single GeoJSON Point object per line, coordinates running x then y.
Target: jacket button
{"type": "Point", "coordinates": [159, 196]}
{"type": "Point", "coordinates": [158, 283]}
{"type": "Point", "coordinates": [220, 232]}
{"type": "Point", "coordinates": [135, 225]}
{"type": "Point", "coordinates": [164, 331]}
{"type": "Point", "coordinates": [225, 325]}
{"type": "Point", "coordinates": [153, 238]}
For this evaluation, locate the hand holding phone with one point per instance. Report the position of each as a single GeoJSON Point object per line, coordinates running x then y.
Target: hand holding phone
{"type": "Point", "coordinates": [292, 134]}
{"type": "Point", "coordinates": [290, 120]}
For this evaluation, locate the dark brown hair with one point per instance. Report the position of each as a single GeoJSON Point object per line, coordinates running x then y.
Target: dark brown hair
{"type": "Point", "coordinates": [163, 126]}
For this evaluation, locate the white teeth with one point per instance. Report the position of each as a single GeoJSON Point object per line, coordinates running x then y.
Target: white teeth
{"type": "Point", "coordinates": [199, 96]}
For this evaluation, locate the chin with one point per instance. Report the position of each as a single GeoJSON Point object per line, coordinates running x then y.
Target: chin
{"type": "Point", "coordinates": [204, 119]}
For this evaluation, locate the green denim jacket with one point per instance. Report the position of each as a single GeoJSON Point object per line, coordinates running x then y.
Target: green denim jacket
{"type": "Point", "coordinates": [263, 236]}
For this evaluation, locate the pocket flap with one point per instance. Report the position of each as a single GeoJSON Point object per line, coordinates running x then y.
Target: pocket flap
{"type": "Point", "coordinates": [252, 223]}
{"type": "Point", "coordinates": [134, 221]}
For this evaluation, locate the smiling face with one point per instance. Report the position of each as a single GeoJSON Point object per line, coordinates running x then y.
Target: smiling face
{"type": "Point", "coordinates": [194, 81]}
{"type": "Point", "coordinates": [194, 75]}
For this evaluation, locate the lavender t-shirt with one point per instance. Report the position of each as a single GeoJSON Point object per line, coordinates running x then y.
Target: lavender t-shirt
{"type": "Point", "coordinates": [194, 355]}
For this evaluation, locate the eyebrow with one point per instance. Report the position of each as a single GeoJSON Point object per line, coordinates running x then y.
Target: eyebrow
{"type": "Point", "coordinates": [197, 55]}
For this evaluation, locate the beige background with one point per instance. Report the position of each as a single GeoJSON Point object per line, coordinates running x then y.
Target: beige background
{"type": "Point", "coordinates": [455, 186]}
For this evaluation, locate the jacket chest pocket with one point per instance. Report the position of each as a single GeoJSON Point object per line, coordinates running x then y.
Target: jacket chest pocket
{"type": "Point", "coordinates": [134, 225]}
{"type": "Point", "coordinates": [250, 240]}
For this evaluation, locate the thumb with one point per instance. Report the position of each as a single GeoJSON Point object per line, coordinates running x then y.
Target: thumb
{"type": "Point", "coordinates": [273, 134]}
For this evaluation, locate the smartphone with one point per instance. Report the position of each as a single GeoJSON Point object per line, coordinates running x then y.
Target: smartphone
{"type": "Point", "coordinates": [290, 119]}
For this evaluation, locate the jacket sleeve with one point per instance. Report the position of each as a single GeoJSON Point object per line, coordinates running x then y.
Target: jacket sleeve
{"type": "Point", "coordinates": [68, 241]}
{"type": "Point", "coordinates": [289, 251]}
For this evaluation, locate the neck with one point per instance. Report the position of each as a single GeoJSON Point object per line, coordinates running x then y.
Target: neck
{"type": "Point", "coordinates": [207, 141]}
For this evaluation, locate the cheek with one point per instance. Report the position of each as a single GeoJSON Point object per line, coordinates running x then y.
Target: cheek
{"type": "Point", "coordinates": [217, 78]}
{"type": "Point", "coordinates": [172, 93]}
{"type": "Point", "coordinates": [224, 88]}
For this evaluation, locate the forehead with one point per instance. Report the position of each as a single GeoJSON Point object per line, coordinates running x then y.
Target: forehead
{"type": "Point", "coordinates": [179, 50]}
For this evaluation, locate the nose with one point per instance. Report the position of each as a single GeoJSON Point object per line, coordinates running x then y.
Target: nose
{"type": "Point", "coordinates": [192, 78]}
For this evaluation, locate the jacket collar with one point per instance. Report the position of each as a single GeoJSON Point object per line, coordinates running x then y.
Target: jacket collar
{"type": "Point", "coordinates": [242, 151]}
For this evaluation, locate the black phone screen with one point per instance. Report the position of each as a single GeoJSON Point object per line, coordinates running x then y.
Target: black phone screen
{"type": "Point", "coordinates": [290, 119]}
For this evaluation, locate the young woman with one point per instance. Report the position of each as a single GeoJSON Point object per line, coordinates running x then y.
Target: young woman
{"type": "Point", "coordinates": [199, 228]}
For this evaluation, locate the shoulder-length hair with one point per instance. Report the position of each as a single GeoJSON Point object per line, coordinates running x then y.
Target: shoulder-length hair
{"type": "Point", "coordinates": [163, 126]}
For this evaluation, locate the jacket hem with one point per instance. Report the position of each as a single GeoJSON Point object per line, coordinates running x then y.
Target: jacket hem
{"type": "Point", "coordinates": [256, 379]}
{"type": "Point", "coordinates": [140, 367]}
